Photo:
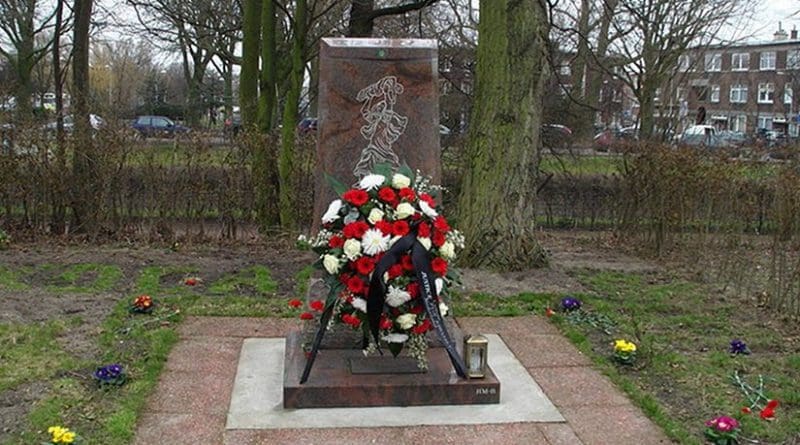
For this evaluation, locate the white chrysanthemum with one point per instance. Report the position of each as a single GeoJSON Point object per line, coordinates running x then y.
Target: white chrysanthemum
{"type": "Point", "coordinates": [443, 309]}
{"type": "Point", "coordinates": [375, 215]}
{"type": "Point", "coordinates": [426, 242]}
{"type": "Point", "coordinates": [448, 250]}
{"type": "Point", "coordinates": [360, 304]}
{"type": "Point", "coordinates": [439, 285]}
{"type": "Point", "coordinates": [396, 296]}
{"type": "Point", "coordinates": [331, 264]}
{"type": "Point", "coordinates": [374, 242]}
{"type": "Point", "coordinates": [404, 210]}
{"type": "Point", "coordinates": [427, 209]}
{"type": "Point", "coordinates": [406, 321]}
{"type": "Point", "coordinates": [400, 181]}
{"type": "Point", "coordinates": [332, 214]}
{"type": "Point", "coordinates": [352, 249]}
{"type": "Point", "coordinates": [371, 182]}
{"type": "Point", "coordinates": [395, 338]}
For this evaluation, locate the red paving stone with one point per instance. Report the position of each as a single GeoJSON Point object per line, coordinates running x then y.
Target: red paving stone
{"type": "Point", "coordinates": [191, 400]}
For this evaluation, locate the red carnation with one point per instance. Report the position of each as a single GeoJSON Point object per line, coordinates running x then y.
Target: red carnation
{"type": "Point", "coordinates": [335, 242]}
{"type": "Point", "coordinates": [441, 224]}
{"type": "Point", "coordinates": [385, 323]}
{"type": "Point", "coordinates": [423, 230]}
{"type": "Point", "coordinates": [355, 229]}
{"type": "Point", "coordinates": [427, 198]}
{"type": "Point", "coordinates": [306, 316]}
{"type": "Point", "coordinates": [356, 197]}
{"type": "Point", "coordinates": [407, 193]}
{"type": "Point", "coordinates": [356, 285]}
{"type": "Point", "coordinates": [351, 320]}
{"type": "Point", "coordinates": [387, 195]}
{"type": "Point", "coordinates": [422, 328]}
{"type": "Point", "coordinates": [408, 265]}
{"type": "Point", "coordinates": [317, 305]}
{"type": "Point", "coordinates": [438, 238]}
{"type": "Point", "coordinates": [439, 266]}
{"type": "Point", "coordinates": [364, 265]}
{"type": "Point", "coordinates": [295, 303]}
{"type": "Point", "coordinates": [384, 226]}
{"type": "Point", "coordinates": [413, 289]}
{"type": "Point", "coordinates": [418, 309]}
{"type": "Point", "coordinates": [395, 271]}
{"type": "Point", "coordinates": [768, 413]}
{"type": "Point", "coordinates": [400, 228]}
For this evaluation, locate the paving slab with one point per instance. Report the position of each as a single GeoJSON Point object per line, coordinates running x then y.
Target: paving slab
{"type": "Point", "coordinates": [257, 398]}
{"type": "Point", "coordinates": [618, 425]}
{"type": "Point", "coordinates": [578, 386]}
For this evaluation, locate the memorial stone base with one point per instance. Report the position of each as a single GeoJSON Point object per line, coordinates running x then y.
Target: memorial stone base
{"type": "Point", "coordinates": [345, 378]}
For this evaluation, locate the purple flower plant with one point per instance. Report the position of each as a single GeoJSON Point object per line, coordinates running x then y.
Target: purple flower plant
{"type": "Point", "coordinates": [738, 347]}
{"type": "Point", "coordinates": [112, 374]}
{"type": "Point", "coordinates": [570, 304]}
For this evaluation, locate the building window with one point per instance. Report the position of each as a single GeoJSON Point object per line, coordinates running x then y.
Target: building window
{"type": "Point", "coordinates": [738, 123]}
{"type": "Point", "coordinates": [714, 93]}
{"type": "Point", "coordinates": [683, 63]}
{"type": "Point", "coordinates": [657, 95]}
{"type": "Point", "coordinates": [788, 94]}
{"type": "Point", "coordinates": [793, 59]}
{"type": "Point", "coordinates": [565, 70]}
{"type": "Point", "coordinates": [740, 62]}
{"type": "Point", "coordinates": [768, 60]}
{"type": "Point", "coordinates": [765, 122]}
{"type": "Point", "coordinates": [766, 93]}
{"type": "Point", "coordinates": [680, 93]}
{"type": "Point", "coordinates": [701, 93]}
{"type": "Point", "coordinates": [739, 94]}
{"type": "Point", "coordinates": [714, 62]}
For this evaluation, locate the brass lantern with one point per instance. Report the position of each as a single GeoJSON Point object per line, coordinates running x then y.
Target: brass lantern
{"type": "Point", "coordinates": [476, 348]}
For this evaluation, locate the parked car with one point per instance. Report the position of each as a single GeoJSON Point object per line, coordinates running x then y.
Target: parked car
{"type": "Point", "coordinates": [158, 126]}
{"type": "Point", "coordinates": [95, 121]}
{"type": "Point", "coordinates": [306, 126]}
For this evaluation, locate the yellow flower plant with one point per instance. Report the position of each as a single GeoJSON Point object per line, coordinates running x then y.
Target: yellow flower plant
{"type": "Point", "coordinates": [61, 435]}
{"type": "Point", "coordinates": [624, 351]}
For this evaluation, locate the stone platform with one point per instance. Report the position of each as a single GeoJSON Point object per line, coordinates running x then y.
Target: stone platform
{"type": "Point", "coordinates": [332, 382]}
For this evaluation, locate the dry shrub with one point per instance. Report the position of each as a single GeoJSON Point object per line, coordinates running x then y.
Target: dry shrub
{"type": "Point", "coordinates": [784, 289]}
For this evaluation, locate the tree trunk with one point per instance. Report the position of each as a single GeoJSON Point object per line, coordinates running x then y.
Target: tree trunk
{"type": "Point", "coordinates": [58, 223]}
{"type": "Point", "coordinates": [286, 156]}
{"type": "Point", "coordinates": [580, 74]}
{"type": "Point", "coordinates": [86, 187]}
{"type": "Point", "coordinates": [597, 74]}
{"type": "Point", "coordinates": [496, 204]}
{"type": "Point", "coordinates": [248, 78]}
{"type": "Point", "coordinates": [267, 99]}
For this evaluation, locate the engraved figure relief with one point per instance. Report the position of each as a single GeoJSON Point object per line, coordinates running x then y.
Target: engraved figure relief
{"type": "Point", "coordinates": [384, 126]}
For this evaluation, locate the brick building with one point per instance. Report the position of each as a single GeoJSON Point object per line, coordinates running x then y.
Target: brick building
{"type": "Point", "coordinates": [744, 87]}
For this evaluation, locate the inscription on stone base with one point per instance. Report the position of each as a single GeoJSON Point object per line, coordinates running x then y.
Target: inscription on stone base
{"type": "Point", "coordinates": [384, 365]}
{"type": "Point", "coordinates": [331, 383]}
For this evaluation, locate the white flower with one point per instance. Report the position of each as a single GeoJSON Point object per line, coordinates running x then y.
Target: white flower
{"type": "Point", "coordinates": [374, 241]}
{"type": "Point", "coordinates": [375, 215]}
{"type": "Point", "coordinates": [371, 182]}
{"type": "Point", "coordinates": [427, 209]}
{"type": "Point", "coordinates": [352, 249]}
{"type": "Point", "coordinates": [426, 242]}
{"type": "Point", "coordinates": [400, 181]}
{"type": "Point", "coordinates": [439, 285]}
{"type": "Point", "coordinates": [394, 240]}
{"type": "Point", "coordinates": [395, 338]}
{"type": "Point", "coordinates": [443, 309]}
{"type": "Point", "coordinates": [331, 264]}
{"type": "Point", "coordinates": [406, 321]}
{"type": "Point", "coordinates": [332, 214]}
{"type": "Point", "coordinates": [404, 210]}
{"type": "Point", "coordinates": [448, 250]}
{"type": "Point", "coordinates": [360, 304]}
{"type": "Point", "coordinates": [396, 296]}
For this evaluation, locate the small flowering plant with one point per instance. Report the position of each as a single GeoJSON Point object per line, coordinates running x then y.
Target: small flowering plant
{"type": "Point", "coordinates": [722, 430]}
{"type": "Point", "coordinates": [358, 229]}
{"type": "Point", "coordinates": [624, 352]}
{"type": "Point", "coordinates": [61, 435]}
{"type": "Point", "coordinates": [143, 304]}
{"type": "Point", "coordinates": [112, 374]}
{"type": "Point", "coordinates": [569, 304]}
{"type": "Point", "coordinates": [738, 347]}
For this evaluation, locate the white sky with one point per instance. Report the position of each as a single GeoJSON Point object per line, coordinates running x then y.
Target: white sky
{"type": "Point", "coordinates": [773, 11]}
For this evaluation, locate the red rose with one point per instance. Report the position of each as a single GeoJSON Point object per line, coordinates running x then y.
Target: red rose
{"type": "Point", "coordinates": [407, 194]}
{"type": "Point", "coordinates": [438, 238]}
{"type": "Point", "coordinates": [355, 229]}
{"type": "Point", "coordinates": [317, 305]}
{"type": "Point", "coordinates": [295, 303]}
{"type": "Point", "coordinates": [440, 223]}
{"type": "Point", "coordinates": [384, 226]}
{"type": "Point", "coordinates": [423, 230]}
{"type": "Point", "coordinates": [422, 328]}
{"type": "Point", "coordinates": [356, 197]}
{"type": "Point", "coordinates": [427, 198]}
{"type": "Point", "coordinates": [190, 281]}
{"type": "Point", "coordinates": [356, 285]}
{"type": "Point", "coordinates": [385, 323]}
{"type": "Point", "coordinates": [746, 410]}
{"type": "Point", "coordinates": [395, 271]}
{"type": "Point", "coordinates": [400, 228]}
{"type": "Point", "coordinates": [364, 265]}
{"type": "Point", "coordinates": [387, 195]}
{"type": "Point", "coordinates": [413, 289]}
{"type": "Point", "coordinates": [306, 316]}
{"type": "Point", "coordinates": [439, 266]}
{"type": "Point", "coordinates": [335, 242]}
{"type": "Point", "coordinates": [408, 265]}
{"type": "Point", "coordinates": [418, 309]}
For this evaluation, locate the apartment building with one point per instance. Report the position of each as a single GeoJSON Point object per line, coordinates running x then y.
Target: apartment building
{"type": "Point", "coordinates": [744, 87]}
